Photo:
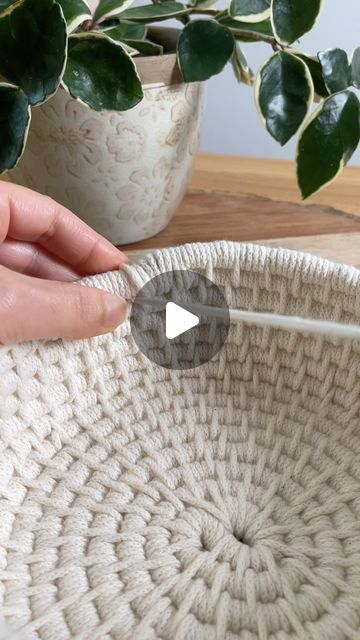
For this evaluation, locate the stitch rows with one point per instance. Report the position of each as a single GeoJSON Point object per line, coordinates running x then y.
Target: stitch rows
{"type": "Point", "coordinates": [223, 502]}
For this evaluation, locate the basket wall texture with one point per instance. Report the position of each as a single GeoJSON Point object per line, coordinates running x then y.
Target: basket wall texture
{"type": "Point", "coordinates": [222, 502]}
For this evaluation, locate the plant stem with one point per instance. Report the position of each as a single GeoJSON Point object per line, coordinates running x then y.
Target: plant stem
{"type": "Point", "coordinates": [253, 36]}
{"type": "Point", "coordinates": [184, 19]}
{"type": "Point", "coordinates": [207, 12]}
{"type": "Point", "coordinates": [87, 25]}
{"type": "Point", "coordinates": [223, 14]}
{"type": "Point", "coordinates": [240, 33]}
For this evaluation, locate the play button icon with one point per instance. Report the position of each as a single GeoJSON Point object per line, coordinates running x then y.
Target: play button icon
{"type": "Point", "coordinates": [172, 321]}
{"type": "Point", "coordinates": [178, 320]}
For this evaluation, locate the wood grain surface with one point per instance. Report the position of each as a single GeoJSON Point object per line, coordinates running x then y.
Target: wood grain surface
{"type": "Point", "coordinates": [219, 216]}
{"type": "Point", "coordinates": [257, 200]}
{"type": "Point", "coordinates": [273, 179]}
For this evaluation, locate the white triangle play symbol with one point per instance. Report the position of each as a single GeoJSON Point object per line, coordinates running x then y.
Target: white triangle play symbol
{"type": "Point", "coordinates": [178, 320]}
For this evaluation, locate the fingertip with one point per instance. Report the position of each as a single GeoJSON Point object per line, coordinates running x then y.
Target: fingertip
{"type": "Point", "coordinates": [115, 311]}
{"type": "Point", "coordinates": [124, 258]}
{"type": "Point", "coordinates": [112, 258]}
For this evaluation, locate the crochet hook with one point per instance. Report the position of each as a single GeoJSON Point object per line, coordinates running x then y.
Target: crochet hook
{"type": "Point", "coordinates": [261, 319]}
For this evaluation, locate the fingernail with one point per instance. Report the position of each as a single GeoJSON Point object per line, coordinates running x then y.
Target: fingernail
{"type": "Point", "coordinates": [123, 259]}
{"type": "Point", "coordinates": [116, 310]}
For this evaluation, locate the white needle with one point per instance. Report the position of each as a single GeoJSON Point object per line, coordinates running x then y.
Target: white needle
{"type": "Point", "coordinates": [308, 325]}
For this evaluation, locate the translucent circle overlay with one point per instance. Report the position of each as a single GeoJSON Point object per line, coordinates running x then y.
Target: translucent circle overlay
{"type": "Point", "coordinates": [188, 290]}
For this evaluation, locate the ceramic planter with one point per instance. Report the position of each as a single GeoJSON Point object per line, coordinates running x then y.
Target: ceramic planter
{"type": "Point", "coordinates": [123, 173]}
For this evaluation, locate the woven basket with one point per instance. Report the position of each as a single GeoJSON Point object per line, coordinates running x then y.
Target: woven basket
{"type": "Point", "coordinates": [221, 502]}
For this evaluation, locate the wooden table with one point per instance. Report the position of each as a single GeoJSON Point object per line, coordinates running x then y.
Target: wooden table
{"type": "Point", "coordinates": [257, 200]}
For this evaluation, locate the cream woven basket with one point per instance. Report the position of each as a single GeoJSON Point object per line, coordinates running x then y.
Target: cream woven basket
{"type": "Point", "coordinates": [223, 502]}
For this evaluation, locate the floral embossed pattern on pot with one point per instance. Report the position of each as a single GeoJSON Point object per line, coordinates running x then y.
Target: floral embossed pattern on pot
{"type": "Point", "coordinates": [216, 503]}
{"type": "Point", "coordinates": [123, 173]}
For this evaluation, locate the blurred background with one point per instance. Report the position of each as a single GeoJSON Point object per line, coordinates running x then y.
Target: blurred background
{"type": "Point", "coordinates": [231, 124]}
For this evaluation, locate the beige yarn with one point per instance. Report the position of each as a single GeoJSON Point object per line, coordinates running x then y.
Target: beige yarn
{"type": "Point", "coordinates": [221, 502]}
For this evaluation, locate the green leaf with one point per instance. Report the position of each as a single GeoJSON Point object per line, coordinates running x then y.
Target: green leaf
{"type": "Point", "coordinates": [111, 7]}
{"type": "Point", "coordinates": [328, 142]}
{"type": "Point", "coordinates": [355, 68]}
{"type": "Point", "coordinates": [4, 4]}
{"type": "Point", "coordinates": [155, 12]}
{"type": "Point", "coordinates": [125, 30]}
{"type": "Point", "coordinates": [129, 49]}
{"type": "Point", "coordinates": [292, 18]}
{"type": "Point", "coordinates": [336, 69]}
{"type": "Point", "coordinates": [33, 47]}
{"type": "Point", "coordinates": [199, 3]}
{"type": "Point", "coordinates": [145, 47]}
{"type": "Point", "coordinates": [241, 67]}
{"type": "Point", "coordinates": [203, 49]}
{"type": "Point", "coordinates": [246, 31]}
{"type": "Point", "coordinates": [75, 12]}
{"type": "Point", "coordinates": [14, 124]}
{"type": "Point", "coordinates": [250, 10]}
{"type": "Point", "coordinates": [100, 73]}
{"type": "Point", "coordinates": [108, 23]}
{"type": "Point", "coordinates": [283, 92]}
{"type": "Point", "coordinates": [315, 69]}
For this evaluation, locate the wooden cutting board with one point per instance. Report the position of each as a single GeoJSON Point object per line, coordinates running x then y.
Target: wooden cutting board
{"type": "Point", "coordinates": [253, 200]}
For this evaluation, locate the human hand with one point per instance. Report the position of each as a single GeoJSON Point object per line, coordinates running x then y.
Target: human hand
{"type": "Point", "coordinates": [44, 249]}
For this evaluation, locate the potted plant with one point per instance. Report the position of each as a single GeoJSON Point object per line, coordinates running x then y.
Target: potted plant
{"type": "Point", "coordinates": [100, 109]}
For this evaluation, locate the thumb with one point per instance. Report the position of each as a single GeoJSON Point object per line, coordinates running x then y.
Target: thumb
{"type": "Point", "coordinates": [31, 308]}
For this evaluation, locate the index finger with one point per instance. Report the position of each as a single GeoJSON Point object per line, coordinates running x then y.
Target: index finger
{"type": "Point", "coordinates": [32, 217]}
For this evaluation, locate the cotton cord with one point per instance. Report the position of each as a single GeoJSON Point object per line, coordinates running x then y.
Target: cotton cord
{"type": "Point", "coordinates": [307, 325]}
{"type": "Point", "coordinates": [216, 503]}
{"type": "Point", "coordinates": [6, 633]}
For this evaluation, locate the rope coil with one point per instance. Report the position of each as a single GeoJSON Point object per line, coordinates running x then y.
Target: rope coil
{"type": "Point", "coordinates": [217, 503]}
